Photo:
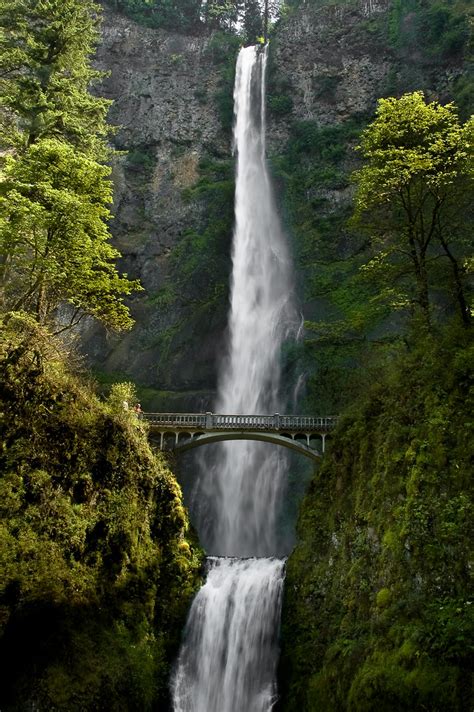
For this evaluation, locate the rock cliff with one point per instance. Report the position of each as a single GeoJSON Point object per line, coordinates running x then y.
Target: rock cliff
{"type": "Point", "coordinates": [162, 85]}
{"type": "Point", "coordinates": [329, 62]}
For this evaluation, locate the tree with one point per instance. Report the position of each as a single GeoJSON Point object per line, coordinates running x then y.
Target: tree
{"type": "Point", "coordinates": [45, 75]}
{"type": "Point", "coordinates": [253, 24]}
{"type": "Point", "coordinates": [55, 190]}
{"type": "Point", "coordinates": [222, 14]}
{"type": "Point", "coordinates": [414, 199]}
{"type": "Point", "coordinates": [54, 236]}
{"type": "Point", "coordinates": [174, 15]}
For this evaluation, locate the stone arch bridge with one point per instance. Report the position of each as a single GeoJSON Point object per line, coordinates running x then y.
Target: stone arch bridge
{"type": "Point", "coordinates": [184, 431]}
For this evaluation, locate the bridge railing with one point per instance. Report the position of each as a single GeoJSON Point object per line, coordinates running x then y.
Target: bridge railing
{"type": "Point", "coordinates": [214, 421]}
{"type": "Point", "coordinates": [194, 420]}
{"type": "Point", "coordinates": [306, 422]}
{"type": "Point", "coordinates": [263, 422]}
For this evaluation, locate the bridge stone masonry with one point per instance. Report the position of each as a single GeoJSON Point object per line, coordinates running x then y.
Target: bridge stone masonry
{"type": "Point", "coordinates": [184, 431]}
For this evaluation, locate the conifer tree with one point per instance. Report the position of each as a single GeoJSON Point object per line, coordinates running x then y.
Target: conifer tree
{"type": "Point", "coordinates": [55, 190]}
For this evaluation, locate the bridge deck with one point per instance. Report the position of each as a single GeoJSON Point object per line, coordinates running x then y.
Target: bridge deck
{"type": "Point", "coordinates": [206, 422]}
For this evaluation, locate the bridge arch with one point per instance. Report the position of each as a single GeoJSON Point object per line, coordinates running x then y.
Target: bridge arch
{"type": "Point", "coordinates": [208, 438]}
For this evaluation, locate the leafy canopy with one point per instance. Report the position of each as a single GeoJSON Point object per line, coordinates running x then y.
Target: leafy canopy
{"type": "Point", "coordinates": [414, 197]}
{"type": "Point", "coordinates": [53, 228]}
{"type": "Point", "coordinates": [55, 191]}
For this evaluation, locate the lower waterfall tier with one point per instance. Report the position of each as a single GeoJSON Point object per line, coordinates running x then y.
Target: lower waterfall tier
{"type": "Point", "coordinates": [230, 650]}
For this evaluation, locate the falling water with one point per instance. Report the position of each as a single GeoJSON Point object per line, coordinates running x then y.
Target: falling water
{"type": "Point", "coordinates": [227, 662]}
{"type": "Point", "coordinates": [228, 659]}
{"type": "Point", "coordinates": [244, 485]}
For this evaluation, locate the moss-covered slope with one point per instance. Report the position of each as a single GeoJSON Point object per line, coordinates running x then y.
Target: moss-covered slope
{"type": "Point", "coordinates": [377, 614]}
{"type": "Point", "coordinates": [96, 567]}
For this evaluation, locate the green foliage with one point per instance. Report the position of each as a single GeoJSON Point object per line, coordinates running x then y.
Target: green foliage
{"type": "Point", "coordinates": [54, 207]}
{"type": "Point", "coordinates": [45, 50]}
{"type": "Point", "coordinates": [326, 144]}
{"type": "Point", "coordinates": [222, 14]}
{"type": "Point", "coordinates": [97, 565]}
{"type": "Point", "coordinates": [55, 191]}
{"type": "Point", "coordinates": [121, 397]}
{"type": "Point", "coordinates": [220, 45]}
{"type": "Point", "coordinates": [440, 33]}
{"type": "Point", "coordinates": [440, 28]}
{"type": "Point", "coordinates": [377, 613]}
{"type": "Point", "coordinates": [413, 198]}
{"type": "Point", "coordinates": [253, 21]}
{"type": "Point", "coordinates": [280, 104]}
{"type": "Point", "coordinates": [182, 15]}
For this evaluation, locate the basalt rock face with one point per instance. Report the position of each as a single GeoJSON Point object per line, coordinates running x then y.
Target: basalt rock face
{"type": "Point", "coordinates": [162, 85]}
{"type": "Point", "coordinates": [336, 59]}
{"type": "Point", "coordinates": [329, 67]}
{"type": "Point", "coordinates": [329, 63]}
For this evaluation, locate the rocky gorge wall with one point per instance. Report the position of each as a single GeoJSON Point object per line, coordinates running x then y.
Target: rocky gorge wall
{"type": "Point", "coordinates": [172, 94]}
{"type": "Point", "coordinates": [162, 85]}
{"type": "Point", "coordinates": [329, 63]}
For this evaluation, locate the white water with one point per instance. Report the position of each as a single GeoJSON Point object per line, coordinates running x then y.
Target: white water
{"type": "Point", "coordinates": [244, 486]}
{"type": "Point", "coordinates": [228, 658]}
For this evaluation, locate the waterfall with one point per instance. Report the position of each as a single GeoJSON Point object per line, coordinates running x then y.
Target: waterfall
{"type": "Point", "coordinates": [228, 658]}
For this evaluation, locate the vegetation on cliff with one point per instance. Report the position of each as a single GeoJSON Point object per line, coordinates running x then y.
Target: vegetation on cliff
{"type": "Point", "coordinates": [245, 18]}
{"type": "Point", "coordinates": [377, 612]}
{"type": "Point", "coordinates": [414, 203]}
{"type": "Point", "coordinates": [97, 564]}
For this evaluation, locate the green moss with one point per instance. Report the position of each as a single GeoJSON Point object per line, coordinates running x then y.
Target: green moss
{"type": "Point", "coordinates": [97, 564]}
{"type": "Point", "coordinates": [377, 613]}
{"type": "Point", "coordinates": [383, 597]}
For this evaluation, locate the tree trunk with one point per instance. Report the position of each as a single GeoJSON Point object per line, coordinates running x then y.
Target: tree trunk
{"type": "Point", "coordinates": [461, 299]}
{"type": "Point", "coordinates": [421, 277]}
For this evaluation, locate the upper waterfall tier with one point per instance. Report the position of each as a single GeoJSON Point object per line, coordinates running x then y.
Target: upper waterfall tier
{"type": "Point", "coordinates": [243, 482]}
